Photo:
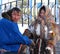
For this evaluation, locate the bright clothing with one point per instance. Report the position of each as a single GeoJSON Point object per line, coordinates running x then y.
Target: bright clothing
{"type": "Point", "coordinates": [10, 36]}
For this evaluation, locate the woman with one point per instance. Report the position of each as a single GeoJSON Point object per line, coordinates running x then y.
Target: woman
{"type": "Point", "coordinates": [41, 20]}
{"type": "Point", "coordinates": [10, 36]}
{"type": "Point", "coordinates": [42, 17]}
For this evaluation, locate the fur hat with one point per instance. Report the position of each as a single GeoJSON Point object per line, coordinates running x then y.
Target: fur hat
{"type": "Point", "coordinates": [49, 15]}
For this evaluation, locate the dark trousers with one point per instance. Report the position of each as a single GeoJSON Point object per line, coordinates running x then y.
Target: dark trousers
{"type": "Point", "coordinates": [43, 46]}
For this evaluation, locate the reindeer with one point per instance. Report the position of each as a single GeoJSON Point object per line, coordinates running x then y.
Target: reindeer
{"type": "Point", "coordinates": [36, 32]}
{"type": "Point", "coordinates": [24, 48]}
{"type": "Point", "coordinates": [53, 32]}
{"type": "Point", "coordinates": [39, 30]}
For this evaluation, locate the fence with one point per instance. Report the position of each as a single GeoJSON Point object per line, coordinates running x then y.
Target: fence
{"type": "Point", "coordinates": [30, 8]}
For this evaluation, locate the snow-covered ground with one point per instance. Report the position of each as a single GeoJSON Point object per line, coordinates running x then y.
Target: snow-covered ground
{"type": "Point", "coordinates": [22, 28]}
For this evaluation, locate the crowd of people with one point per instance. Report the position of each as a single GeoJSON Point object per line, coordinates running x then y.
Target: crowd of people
{"type": "Point", "coordinates": [11, 38]}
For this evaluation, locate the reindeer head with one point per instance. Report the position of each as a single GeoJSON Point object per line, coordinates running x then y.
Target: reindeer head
{"type": "Point", "coordinates": [28, 33]}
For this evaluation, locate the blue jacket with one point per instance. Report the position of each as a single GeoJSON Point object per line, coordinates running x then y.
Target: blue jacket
{"type": "Point", "coordinates": [10, 36]}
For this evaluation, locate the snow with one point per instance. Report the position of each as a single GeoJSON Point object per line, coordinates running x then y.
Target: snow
{"type": "Point", "coordinates": [22, 28]}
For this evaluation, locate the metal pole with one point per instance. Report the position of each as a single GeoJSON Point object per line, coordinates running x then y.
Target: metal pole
{"type": "Point", "coordinates": [28, 11]}
{"type": "Point", "coordinates": [55, 10]}
{"type": "Point", "coordinates": [16, 2]}
{"type": "Point", "coordinates": [0, 7]}
{"type": "Point", "coordinates": [22, 14]}
{"type": "Point", "coordinates": [41, 2]}
{"type": "Point", "coordinates": [10, 5]}
{"type": "Point", "coordinates": [48, 3]}
{"type": "Point", "coordinates": [34, 9]}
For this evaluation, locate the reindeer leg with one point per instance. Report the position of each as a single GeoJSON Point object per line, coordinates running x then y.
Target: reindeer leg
{"type": "Point", "coordinates": [39, 46]}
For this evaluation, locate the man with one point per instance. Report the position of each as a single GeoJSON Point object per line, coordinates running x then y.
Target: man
{"type": "Point", "coordinates": [10, 36]}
